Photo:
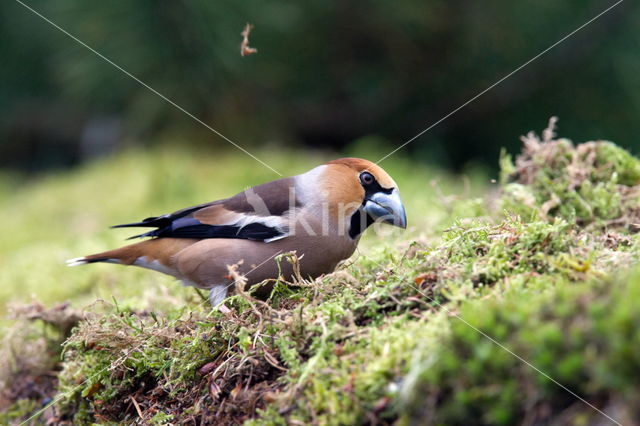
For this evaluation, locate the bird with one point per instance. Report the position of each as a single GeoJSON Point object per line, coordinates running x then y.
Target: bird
{"type": "Point", "coordinates": [320, 215]}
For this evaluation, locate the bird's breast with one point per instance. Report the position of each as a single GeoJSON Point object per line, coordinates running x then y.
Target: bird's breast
{"type": "Point", "coordinates": [206, 262]}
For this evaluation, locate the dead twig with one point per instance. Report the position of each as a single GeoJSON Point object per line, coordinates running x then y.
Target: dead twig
{"type": "Point", "coordinates": [245, 50]}
{"type": "Point", "coordinates": [135, 404]}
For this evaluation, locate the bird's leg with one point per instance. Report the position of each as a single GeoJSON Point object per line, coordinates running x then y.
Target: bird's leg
{"type": "Point", "coordinates": [218, 294]}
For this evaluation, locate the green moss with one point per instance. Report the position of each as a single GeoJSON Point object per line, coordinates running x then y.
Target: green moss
{"type": "Point", "coordinates": [583, 336]}
{"type": "Point", "coordinates": [109, 357]}
{"type": "Point", "coordinates": [406, 311]}
{"type": "Point", "coordinates": [161, 418]}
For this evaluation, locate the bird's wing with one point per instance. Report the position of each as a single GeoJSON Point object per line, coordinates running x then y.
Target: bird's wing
{"type": "Point", "coordinates": [259, 213]}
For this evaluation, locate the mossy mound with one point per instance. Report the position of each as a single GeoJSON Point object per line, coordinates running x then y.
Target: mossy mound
{"type": "Point", "coordinates": [133, 366]}
{"type": "Point", "coordinates": [428, 331]}
{"type": "Point", "coordinates": [342, 349]}
{"type": "Point", "coordinates": [577, 340]}
{"type": "Point", "coordinates": [593, 183]}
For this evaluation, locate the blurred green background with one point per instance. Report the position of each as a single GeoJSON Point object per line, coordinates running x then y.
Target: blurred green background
{"type": "Point", "coordinates": [326, 74]}
{"type": "Point", "coordinates": [83, 146]}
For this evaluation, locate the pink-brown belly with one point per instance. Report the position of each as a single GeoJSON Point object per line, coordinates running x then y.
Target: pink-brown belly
{"type": "Point", "coordinates": [205, 262]}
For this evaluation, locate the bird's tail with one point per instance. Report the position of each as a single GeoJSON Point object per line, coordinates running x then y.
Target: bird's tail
{"type": "Point", "coordinates": [161, 249]}
{"type": "Point", "coordinates": [120, 255]}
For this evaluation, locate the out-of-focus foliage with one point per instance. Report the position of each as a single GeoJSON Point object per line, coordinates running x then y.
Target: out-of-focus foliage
{"type": "Point", "coordinates": [325, 73]}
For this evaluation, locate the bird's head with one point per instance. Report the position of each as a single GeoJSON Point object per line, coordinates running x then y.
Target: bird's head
{"type": "Point", "coordinates": [361, 193]}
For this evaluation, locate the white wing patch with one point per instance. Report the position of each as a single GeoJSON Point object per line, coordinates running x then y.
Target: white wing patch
{"type": "Point", "coordinates": [276, 222]}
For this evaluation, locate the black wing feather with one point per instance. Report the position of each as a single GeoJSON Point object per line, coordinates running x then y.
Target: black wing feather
{"type": "Point", "coordinates": [252, 231]}
{"type": "Point", "coordinates": [163, 221]}
{"type": "Point", "coordinates": [177, 225]}
{"type": "Point", "coordinates": [183, 224]}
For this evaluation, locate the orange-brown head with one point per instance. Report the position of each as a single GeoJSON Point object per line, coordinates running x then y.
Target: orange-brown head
{"type": "Point", "coordinates": [363, 192]}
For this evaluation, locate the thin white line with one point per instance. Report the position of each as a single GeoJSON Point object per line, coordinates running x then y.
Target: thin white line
{"type": "Point", "coordinates": [500, 345]}
{"type": "Point", "coordinates": [525, 361]}
{"type": "Point", "coordinates": [64, 395]}
{"type": "Point", "coordinates": [148, 87]}
{"type": "Point", "coordinates": [498, 82]}
{"type": "Point", "coordinates": [58, 399]}
{"type": "Point", "coordinates": [518, 357]}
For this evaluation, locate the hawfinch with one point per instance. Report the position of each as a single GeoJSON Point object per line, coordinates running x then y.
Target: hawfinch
{"type": "Point", "coordinates": [319, 214]}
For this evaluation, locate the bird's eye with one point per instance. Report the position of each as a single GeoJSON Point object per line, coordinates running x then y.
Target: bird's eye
{"type": "Point", "coordinates": [366, 178]}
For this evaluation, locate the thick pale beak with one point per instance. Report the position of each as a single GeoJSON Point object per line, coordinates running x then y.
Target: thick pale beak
{"type": "Point", "coordinates": [387, 208]}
